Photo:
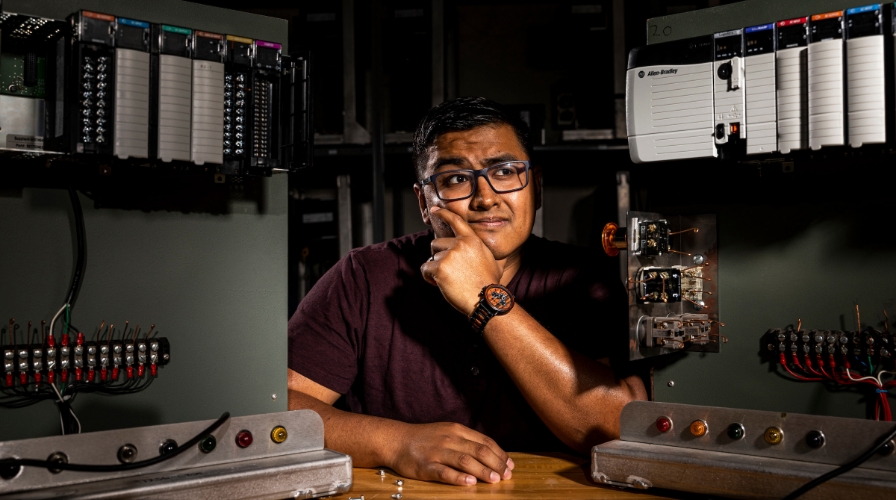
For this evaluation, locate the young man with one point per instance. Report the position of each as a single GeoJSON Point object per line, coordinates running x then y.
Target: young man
{"type": "Point", "coordinates": [446, 348]}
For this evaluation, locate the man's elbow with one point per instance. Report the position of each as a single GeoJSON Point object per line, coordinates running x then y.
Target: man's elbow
{"type": "Point", "coordinates": [608, 419]}
{"type": "Point", "coordinates": [633, 389]}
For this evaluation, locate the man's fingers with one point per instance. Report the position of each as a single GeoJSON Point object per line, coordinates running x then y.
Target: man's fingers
{"type": "Point", "coordinates": [427, 269]}
{"type": "Point", "coordinates": [466, 462]}
{"type": "Point", "coordinates": [454, 221]}
{"type": "Point", "coordinates": [490, 455]}
{"type": "Point", "coordinates": [442, 244]}
{"type": "Point", "coordinates": [445, 474]}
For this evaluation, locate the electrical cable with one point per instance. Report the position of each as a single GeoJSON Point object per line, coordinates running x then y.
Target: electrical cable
{"type": "Point", "coordinates": [843, 468]}
{"type": "Point", "coordinates": [81, 247]}
{"type": "Point", "coordinates": [53, 321]}
{"type": "Point", "coordinates": [18, 462]}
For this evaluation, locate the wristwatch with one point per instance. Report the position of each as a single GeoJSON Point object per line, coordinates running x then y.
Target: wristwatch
{"type": "Point", "coordinates": [494, 300]}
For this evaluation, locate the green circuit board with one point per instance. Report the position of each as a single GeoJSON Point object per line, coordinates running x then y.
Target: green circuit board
{"type": "Point", "coordinates": [12, 77]}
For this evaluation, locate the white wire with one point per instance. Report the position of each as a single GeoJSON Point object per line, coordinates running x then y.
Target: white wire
{"type": "Point", "coordinates": [874, 379]}
{"type": "Point", "coordinates": [53, 323]}
{"type": "Point", "coordinates": [70, 410]}
{"type": "Point", "coordinates": [61, 423]}
{"type": "Point", "coordinates": [879, 375]}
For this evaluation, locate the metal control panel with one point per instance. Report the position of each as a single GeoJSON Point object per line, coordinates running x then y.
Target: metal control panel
{"type": "Point", "coordinates": [672, 264]}
{"type": "Point", "coordinates": [277, 455]}
{"type": "Point", "coordinates": [676, 446]}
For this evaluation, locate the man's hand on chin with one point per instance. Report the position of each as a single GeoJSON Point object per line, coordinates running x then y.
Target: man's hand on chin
{"type": "Point", "coordinates": [450, 453]}
{"type": "Point", "coordinates": [462, 265]}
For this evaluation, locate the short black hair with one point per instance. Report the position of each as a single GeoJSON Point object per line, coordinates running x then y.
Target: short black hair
{"type": "Point", "coordinates": [461, 114]}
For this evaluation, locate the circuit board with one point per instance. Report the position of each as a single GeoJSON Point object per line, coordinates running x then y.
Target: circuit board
{"type": "Point", "coordinates": [12, 76]}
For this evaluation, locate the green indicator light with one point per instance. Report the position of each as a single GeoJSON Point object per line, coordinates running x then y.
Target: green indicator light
{"type": "Point", "coordinates": [208, 444]}
{"type": "Point", "coordinates": [736, 431]}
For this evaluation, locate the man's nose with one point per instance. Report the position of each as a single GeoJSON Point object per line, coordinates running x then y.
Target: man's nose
{"type": "Point", "coordinates": [484, 197]}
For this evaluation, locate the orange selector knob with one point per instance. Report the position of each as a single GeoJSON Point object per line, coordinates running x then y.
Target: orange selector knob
{"type": "Point", "coordinates": [613, 239]}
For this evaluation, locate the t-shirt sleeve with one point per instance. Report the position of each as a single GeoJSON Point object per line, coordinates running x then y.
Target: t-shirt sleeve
{"type": "Point", "coordinates": [326, 330]}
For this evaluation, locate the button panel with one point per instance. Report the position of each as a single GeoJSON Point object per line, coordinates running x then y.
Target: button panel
{"type": "Point", "coordinates": [791, 436]}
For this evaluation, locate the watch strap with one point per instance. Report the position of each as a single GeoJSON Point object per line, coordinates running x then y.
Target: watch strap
{"type": "Point", "coordinates": [481, 316]}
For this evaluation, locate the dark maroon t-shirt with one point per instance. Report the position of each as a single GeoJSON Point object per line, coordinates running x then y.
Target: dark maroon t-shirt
{"type": "Point", "coordinates": [374, 331]}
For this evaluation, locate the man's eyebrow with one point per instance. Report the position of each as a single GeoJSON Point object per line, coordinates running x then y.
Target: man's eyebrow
{"type": "Point", "coordinates": [455, 161]}
{"type": "Point", "coordinates": [499, 159]}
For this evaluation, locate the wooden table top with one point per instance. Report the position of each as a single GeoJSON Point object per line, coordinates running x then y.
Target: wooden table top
{"type": "Point", "coordinates": [543, 475]}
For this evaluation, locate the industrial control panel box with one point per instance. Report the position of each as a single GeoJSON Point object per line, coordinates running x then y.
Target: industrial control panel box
{"type": "Point", "coordinates": [816, 81]}
{"type": "Point", "coordinates": [144, 92]}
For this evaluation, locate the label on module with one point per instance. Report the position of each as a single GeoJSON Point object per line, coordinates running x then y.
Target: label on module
{"type": "Point", "coordinates": [177, 29]}
{"type": "Point", "coordinates": [97, 15]}
{"type": "Point", "coordinates": [206, 34]}
{"type": "Point", "coordinates": [864, 21]}
{"type": "Point", "coordinates": [827, 26]}
{"type": "Point", "coordinates": [268, 45]}
{"type": "Point", "coordinates": [792, 33]}
{"type": "Point", "coordinates": [759, 39]}
{"type": "Point", "coordinates": [859, 10]}
{"type": "Point", "coordinates": [240, 39]}
{"type": "Point", "coordinates": [24, 142]}
{"type": "Point", "coordinates": [132, 22]}
{"type": "Point", "coordinates": [728, 44]}
{"type": "Point", "coordinates": [764, 27]}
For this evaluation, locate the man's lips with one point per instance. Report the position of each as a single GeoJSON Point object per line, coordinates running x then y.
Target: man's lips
{"type": "Point", "coordinates": [489, 222]}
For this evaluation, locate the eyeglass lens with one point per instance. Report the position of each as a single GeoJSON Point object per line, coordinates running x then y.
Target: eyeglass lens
{"type": "Point", "coordinates": [503, 178]}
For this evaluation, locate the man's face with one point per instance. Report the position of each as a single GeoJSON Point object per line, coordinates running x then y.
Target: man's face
{"type": "Point", "coordinates": [502, 221]}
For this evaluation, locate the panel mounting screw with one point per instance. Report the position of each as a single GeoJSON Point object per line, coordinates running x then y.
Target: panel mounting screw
{"type": "Point", "coordinates": [671, 383]}
{"type": "Point", "coordinates": [274, 397]}
{"type": "Point", "coordinates": [699, 259]}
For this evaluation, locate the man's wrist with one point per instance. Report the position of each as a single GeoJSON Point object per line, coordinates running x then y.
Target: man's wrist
{"type": "Point", "coordinates": [494, 300]}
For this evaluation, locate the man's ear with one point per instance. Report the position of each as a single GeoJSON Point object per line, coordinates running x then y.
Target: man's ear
{"type": "Point", "coordinates": [421, 200]}
{"type": "Point", "coordinates": [537, 179]}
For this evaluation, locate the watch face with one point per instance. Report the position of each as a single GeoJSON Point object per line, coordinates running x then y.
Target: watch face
{"type": "Point", "coordinates": [499, 298]}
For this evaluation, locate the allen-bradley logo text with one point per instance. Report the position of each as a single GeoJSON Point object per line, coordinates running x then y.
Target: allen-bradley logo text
{"type": "Point", "coordinates": [670, 71]}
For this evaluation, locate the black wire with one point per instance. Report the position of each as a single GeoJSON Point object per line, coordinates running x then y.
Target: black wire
{"type": "Point", "coordinates": [79, 262]}
{"type": "Point", "coordinates": [17, 462]}
{"type": "Point", "coordinates": [843, 468]}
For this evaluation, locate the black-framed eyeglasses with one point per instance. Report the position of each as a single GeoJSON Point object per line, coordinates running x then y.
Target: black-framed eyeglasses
{"type": "Point", "coordinates": [505, 177]}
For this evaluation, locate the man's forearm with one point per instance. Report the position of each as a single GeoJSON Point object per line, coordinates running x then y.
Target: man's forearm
{"type": "Point", "coordinates": [368, 439]}
{"type": "Point", "coordinates": [577, 398]}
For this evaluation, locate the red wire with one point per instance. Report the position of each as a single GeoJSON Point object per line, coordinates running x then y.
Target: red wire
{"type": "Point", "coordinates": [821, 367]}
{"type": "Point", "coordinates": [799, 377]}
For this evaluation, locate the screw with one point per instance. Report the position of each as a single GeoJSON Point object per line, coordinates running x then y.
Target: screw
{"type": "Point", "coordinates": [640, 483]}
{"type": "Point", "coordinates": [699, 259]}
{"type": "Point", "coordinates": [671, 383]}
{"type": "Point", "coordinates": [274, 397]}
{"type": "Point", "coordinates": [396, 496]}
{"type": "Point", "coordinates": [399, 483]}
{"type": "Point", "coordinates": [165, 357]}
{"type": "Point", "coordinates": [381, 472]}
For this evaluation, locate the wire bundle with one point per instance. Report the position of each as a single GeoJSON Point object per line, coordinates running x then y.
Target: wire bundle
{"type": "Point", "coordinates": [35, 390]}
{"type": "Point", "coordinates": [840, 358]}
{"type": "Point", "coordinates": [840, 374]}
